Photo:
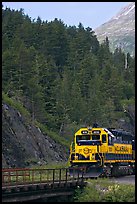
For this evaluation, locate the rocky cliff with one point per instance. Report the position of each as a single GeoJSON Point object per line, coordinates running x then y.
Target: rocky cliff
{"type": "Point", "coordinates": [24, 144]}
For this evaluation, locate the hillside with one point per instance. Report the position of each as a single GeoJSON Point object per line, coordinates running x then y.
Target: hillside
{"type": "Point", "coordinates": [24, 144]}
{"type": "Point", "coordinates": [120, 29]}
{"type": "Point", "coordinates": [56, 79]}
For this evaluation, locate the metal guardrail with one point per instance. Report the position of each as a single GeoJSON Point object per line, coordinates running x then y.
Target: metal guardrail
{"type": "Point", "coordinates": [18, 176]}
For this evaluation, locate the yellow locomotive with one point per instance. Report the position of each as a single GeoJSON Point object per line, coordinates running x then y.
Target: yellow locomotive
{"type": "Point", "coordinates": [102, 152]}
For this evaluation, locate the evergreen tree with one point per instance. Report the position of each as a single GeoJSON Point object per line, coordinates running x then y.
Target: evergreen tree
{"type": "Point", "coordinates": [62, 74]}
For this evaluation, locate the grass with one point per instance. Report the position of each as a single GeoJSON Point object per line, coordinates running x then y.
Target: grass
{"type": "Point", "coordinates": [104, 190]}
{"type": "Point", "coordinates": [52, 165]}
{"type": "Point", "coordinates": [15, 105]}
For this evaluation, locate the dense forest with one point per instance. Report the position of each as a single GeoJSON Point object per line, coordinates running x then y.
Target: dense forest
{"type": "Point", "coordinates": [62, 75]}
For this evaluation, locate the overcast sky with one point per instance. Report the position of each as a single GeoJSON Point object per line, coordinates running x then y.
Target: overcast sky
{"type": "Point", "coordinates": [90, 14]}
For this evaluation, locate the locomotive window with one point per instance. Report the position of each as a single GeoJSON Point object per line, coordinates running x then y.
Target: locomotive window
{"type": "Point", "coordinates": [95, 137]}
{"type": "Point", "coordinates": [110, 140]}
{"type": "Point", "coordinates": [104, 138]}
{"type": "Point", "coordinates": [82, 137]}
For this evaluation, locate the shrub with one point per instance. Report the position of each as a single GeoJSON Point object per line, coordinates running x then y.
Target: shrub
{"type": "Point", "coordinates": [120, 193]}
{"type": "Point", "coordinates": [88, 194]}
{"type": "Point", "coordinates": [103, 190]}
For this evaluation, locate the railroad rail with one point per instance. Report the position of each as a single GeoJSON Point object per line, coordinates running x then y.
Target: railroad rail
{"type": "Point", "coordinates": [24, 184]}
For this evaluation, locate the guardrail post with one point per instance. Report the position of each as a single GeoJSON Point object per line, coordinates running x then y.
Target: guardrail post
{"type": "Point", "coordinates": [47, 174]}
{"type": "Point", "coordinates": [9, 177]}
{"type": "Point", "coordinates": [16, 176]}
{"type": "Point", "coordinates": [2, 177]}
{"type": "Point", "coordinates": [32, 176]}
{"type": "Point", "coordinates": [53, 175]}
{"type": "Point", "coordinates": [59, 176]}
{"type": "Point", "coordinates": [40, 175]}
{"type": "Point", "coordinates": [66, 175]}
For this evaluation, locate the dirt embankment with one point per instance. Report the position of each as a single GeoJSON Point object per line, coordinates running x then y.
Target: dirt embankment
{"type": "Point", "coordinates": [23, 144]}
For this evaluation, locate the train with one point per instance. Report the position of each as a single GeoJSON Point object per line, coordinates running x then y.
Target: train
{"type": "Point", "coordinates": [102, 152]}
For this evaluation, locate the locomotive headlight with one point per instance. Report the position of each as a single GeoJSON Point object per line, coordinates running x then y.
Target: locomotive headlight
{"type": "Point", "coordinates": [89, 128]}
{"type": "Point", "coordinates": [76, 157]}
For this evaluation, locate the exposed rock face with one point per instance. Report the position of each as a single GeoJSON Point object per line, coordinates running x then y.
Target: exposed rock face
{"type": "Point", "coordinates": [24, 144]}
{"type": "Point", "coordinates": [120, 30]}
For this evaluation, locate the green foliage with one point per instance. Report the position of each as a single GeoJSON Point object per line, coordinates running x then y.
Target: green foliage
{"type": "Point", "coordinates": [103, 190]}
{"type": "Point", "coordinates": [89, 194]}
{"type": "Point", "coordinates": [61, 74]}
{"type": "Point", "coordinates": [120, 193]}
{"type": "Point", "coordinates": [126, 102]}
{"type": "Point", "coordinates": [15, 105]}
